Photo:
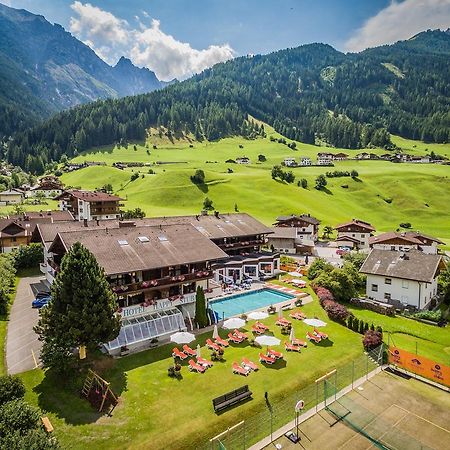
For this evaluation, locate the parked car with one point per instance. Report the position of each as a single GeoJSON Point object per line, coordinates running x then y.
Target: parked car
{"type": "Point", "coordinates": [341, 252]}
{"type": "Point", "coordinates": [40, 302]}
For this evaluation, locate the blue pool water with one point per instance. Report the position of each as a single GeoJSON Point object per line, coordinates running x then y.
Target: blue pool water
{"type": "Point", "coordinates": [248, 301]}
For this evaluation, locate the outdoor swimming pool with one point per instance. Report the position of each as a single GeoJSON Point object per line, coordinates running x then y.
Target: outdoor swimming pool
{"type": "Point", "coordinates": [248, 301]}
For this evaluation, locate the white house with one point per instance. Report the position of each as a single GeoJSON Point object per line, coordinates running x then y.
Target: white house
{"type": "Point", "coordinates": [290, 162]}
{"type": "Point", "coordinates": [11, 197]}
{"type": "Point", "coordinates": [324, 159]}
{"type": "Point", "coordinates": [356, 229]}
{"type": "Point", "coordinates": [243, 160]}
{"type": "Point", "coordinates": [402, 278]}
{"type": "Point", "coordinates": [404, 241]}
{"type": "Point", "coordinates": [305, 161]}
{"type": "Point", "coordinates": [340, 156]}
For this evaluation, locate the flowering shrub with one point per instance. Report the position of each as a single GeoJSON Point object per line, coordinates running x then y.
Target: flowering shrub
{"type": "Point", "coordinates": [372, 339]}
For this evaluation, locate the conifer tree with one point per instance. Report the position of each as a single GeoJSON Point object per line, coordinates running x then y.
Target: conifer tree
{"type": "Point", "coordinates": [82, 311]}
{"type": "Point", "coordinates": [200, 308]}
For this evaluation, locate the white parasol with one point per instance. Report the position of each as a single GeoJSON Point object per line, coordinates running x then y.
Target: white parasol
{"type": "Point", "coordinates": [215, 332]}
{"type": "Point", "coordinates": [234, 322]}
{"type": "Point", "coordinates": [182, 337]}
{"type": "Point", "coordinates": [267, 340]}
{"type": "Point", "coordinates": [257, 315]}
{"type": "Point", "coordinates": [198, 351]}
{"type": "Point", "coordinates": [315, 322]}
{"type": "Point", "coordinates": [295, 274]}
{"type": "Point", "coordinates": [280, 312]}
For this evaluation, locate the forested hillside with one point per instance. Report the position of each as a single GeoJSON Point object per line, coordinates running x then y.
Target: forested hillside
{"type": "Point", "coordinates": [312, 93]}
{"type": "Point", "coordinates": [44, 69]}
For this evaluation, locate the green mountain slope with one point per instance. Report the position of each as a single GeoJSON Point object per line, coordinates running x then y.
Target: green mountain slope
{"type": "Point", "coordinates": [44, 69]}
{"type": "Point", "coordinates": [311, 93]}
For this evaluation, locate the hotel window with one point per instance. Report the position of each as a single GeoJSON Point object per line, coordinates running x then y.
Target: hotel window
{"type": "Point", "coordinates": [405, 284]}
{"type": "Point", "coordinates": [374, 287]}
{"type": "Point", "coordinates": [388, 281]}
{"type": "Point", "coordinates": [387, 296]}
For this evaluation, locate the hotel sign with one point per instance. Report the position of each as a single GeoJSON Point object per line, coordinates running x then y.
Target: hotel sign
{"type": "Point", "coordinates": [138, 310]}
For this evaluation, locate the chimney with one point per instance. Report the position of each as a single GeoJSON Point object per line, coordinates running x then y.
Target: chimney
{"type": "Point", "coordinates": [85, 223]}
{"type": "Point", "coordinates": [216, 214]}
{"type": "Point", "coordinates": [98, 222]}
{"type": "Point", "coordinates": [204, 212]}
{"type": "Point", "coordinates": [127, 224]}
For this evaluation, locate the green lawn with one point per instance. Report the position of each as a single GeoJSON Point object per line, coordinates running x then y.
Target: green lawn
{"type": "Point", "coordinates": [155, 409]}
{"type": "Point", "coordinates": [432, 341]}
{"type": "Point", "coordinates": [417, 193]}
{"type": "Point", "coordinates": [49, 204]}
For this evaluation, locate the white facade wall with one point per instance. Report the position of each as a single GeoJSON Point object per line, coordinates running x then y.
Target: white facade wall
{"type": "Point", "coordinates": [428, 249]}
{"type": "Point", "coordinates": [362, 237]}
{"type": "Point", "coordinates": [408, 292]}
{"type": "Point", "coordinates": [305, 162]}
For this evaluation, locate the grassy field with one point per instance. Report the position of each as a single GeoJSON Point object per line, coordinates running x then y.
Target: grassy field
{"type": "Point", "coordinates": [386, 194]}
{"type": "Point", "coordinates": [49, 204]}
{"type": "Point", "coordinates": [155, 409]}
{"type": "Point", "coordinates": [432, 341]}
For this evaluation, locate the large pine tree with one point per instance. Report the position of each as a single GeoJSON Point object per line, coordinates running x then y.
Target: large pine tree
{"type": "Point", "coordinates": [82, 311]}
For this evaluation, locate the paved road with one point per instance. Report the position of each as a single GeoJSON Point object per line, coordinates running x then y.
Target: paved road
{"type": "Point", "coordinates": [21, 340]}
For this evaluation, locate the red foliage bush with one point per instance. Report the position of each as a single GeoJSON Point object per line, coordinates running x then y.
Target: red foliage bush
{"type": "Point", "coordinates": [372, 339]}
{"type": "Point", "coordinates": [335, 310]}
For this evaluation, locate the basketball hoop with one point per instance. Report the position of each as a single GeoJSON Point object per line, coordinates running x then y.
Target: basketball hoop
{"type": "Point", "coordinates": [299, 406]}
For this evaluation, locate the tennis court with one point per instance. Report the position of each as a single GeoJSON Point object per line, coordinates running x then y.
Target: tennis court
{"type": "Point", "coordinates": [387, 412]}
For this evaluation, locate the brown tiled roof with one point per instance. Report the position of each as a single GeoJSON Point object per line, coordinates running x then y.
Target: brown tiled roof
{"type": "Point", "coordinates": [421, 237]}
{"type": "Point", "coordinates": [393, 235]}
{"type": "Point", "coordinates": [90, 196]}
{"type": "Point", "coordinates": [413, 265]}
{"type": "Point", "coordinates": [356, 222]}
{"type": "Point", "coordinates": [304, 217]}
{"type": "Point", "coordinates": [120, 250]}
{"type": "Point", "coordinates": [52, 216]}
{"type": "Point", "coordinates": [6, 223]}
{"type": "Point", "coordinates": [284, 232]}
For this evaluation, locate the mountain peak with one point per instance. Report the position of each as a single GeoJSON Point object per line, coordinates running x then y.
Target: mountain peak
{"type": "Point", "coordinates": [124, 62]}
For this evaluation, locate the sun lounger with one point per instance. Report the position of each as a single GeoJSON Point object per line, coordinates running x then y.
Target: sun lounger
{"type": "Point", "coordinates": [262, 326]}
{"type": "Point", "coordinates": [189, 350]}
{"type": "Point", "coordinates": [240, 370]}
{"type": "Point", "coordinates": [313, 337]}
{"type": "Point", "coordinates": [238, 334]}
{"type": "Point", "coordinates": [211, 345]}
{"type": "Point", "coordinates": [204, 362]}
{"type": "Point", "coordinates": [266, 359]}
{"type": "Point", "coordinates": [282, 322]}
{"type": "Point", "coordinates": [291, 347]}
{"type": "Point", "coordinates": [176, 353]}
{"type": "Point", "coordinates": [298, 315]}
{"type": "Point", "coordinates": [235, 339]}
{"type": "Point", "coordinates": [257, 330]}
{"type": "Point", "coordinates": [249, 364]}
{"type": "Point", "coordinates": [320, 334]}
{"type": "Point", "coordinates": [300, 342]}
{"type": "Point", "coordinates": [194, 367]}
{"type": "Point", "coordinates": [274, 354]}
{"type": "Point", "coordinates": [221, 342]}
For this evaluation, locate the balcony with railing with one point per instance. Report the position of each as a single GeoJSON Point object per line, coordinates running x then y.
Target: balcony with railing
{"type": "Point", "coordinates": [158, 283]}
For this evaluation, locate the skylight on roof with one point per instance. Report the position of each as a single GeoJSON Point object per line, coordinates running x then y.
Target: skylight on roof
{"type": "Point", "coordinates": [162, 238]}
{"type": "Point", "coordinates": [122, 242]}
{"type": "Point", "coordinates": [241, 221]}
{"type": "Point", "coordinates": [143, 239]}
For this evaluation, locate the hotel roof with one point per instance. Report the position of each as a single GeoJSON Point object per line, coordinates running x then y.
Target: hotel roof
{"type": "Point", "coordinates": [89, 196]}
{"type": "Point", "coordinates": [130, 249]}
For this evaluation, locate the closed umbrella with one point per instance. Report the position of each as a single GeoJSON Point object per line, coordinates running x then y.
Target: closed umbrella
{"type": "Point", "coordinates": [234, 322]}
{"type": "Point", "coordinates": [257, 315]}
{"type": "Point", "coordinates": [182, 337]}
{"type": "Point", "coordinates": [292, 335]}
{"type": "Point", "coordinates": [215, 332]}
{"type": "Point", "coordinates": [198, 351]}
{"type": "Point", "coordinates": [267, 340]}
{"type": "Point", "coordinates": [315, 322]}
{"type": "Point", "coordinates": [280, 312]}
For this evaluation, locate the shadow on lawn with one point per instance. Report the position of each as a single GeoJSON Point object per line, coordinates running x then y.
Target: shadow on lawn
{"type": "Point", "coordinates": [325, 343]}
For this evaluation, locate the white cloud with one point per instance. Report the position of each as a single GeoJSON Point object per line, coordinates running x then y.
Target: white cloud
{"type": "Point", "coordinates": [146, 46]}
{"type": "Point", "coordinates": [399, 21]}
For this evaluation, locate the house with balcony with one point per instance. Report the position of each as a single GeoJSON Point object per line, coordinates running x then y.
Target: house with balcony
{"type": "Point", "coordinates": [402, 279]}
{"type": "Point", "coordinates": [11, 197]}
{"type": "Point", "coordinates": [49, 187]}
{"type": "Point", "coordinates": [12, 235]}
{"type": "Point", "coordinates": [305, 161]}
{"type": "Point", "coordinates": [90, 205]}
{"type": "Point", "coordinates": [154, 271]}
{"type": "Point", "coordinates": [306, 226]}
{"type": "Point", "coordinates": [357, 230]}
{"type": "Point", "coordinates": [324, 159]}
{"type": "Point", "coordinates": [289, 162]}
{"type": "Point", "coordinates": [404, 241]}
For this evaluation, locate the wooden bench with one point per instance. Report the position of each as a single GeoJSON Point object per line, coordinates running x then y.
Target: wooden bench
{"type": "Point", "coordinates": [230, 398]}
{"type": "Point", "coordinates": [47, 424]}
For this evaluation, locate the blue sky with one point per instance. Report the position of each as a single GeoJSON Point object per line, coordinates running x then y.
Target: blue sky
{"type": "Point", "coordinates": [179, 37]}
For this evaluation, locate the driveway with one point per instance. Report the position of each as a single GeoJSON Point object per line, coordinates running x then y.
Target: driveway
{"type": "Point", "coordinates": [22, 345]}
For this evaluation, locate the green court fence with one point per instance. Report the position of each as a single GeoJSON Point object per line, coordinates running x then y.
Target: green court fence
{"type": "Point", "coordinates": [275, 414]}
